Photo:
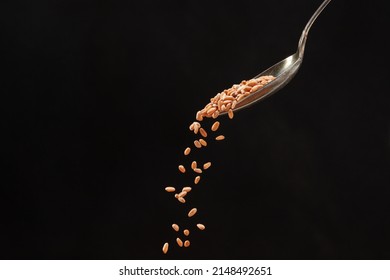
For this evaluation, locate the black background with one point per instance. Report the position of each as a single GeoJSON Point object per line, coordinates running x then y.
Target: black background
{"type": "Point", "coordinates": [96, 99]}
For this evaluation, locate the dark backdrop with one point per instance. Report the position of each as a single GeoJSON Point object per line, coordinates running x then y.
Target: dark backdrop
{"type": "Point", "coordinates": [96, 99]}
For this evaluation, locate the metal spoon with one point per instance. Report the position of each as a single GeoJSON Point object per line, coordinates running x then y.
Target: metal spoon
{"type": "Point", "coordinates": [284, 70]}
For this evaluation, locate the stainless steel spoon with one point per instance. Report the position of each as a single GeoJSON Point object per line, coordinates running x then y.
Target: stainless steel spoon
{"type": "Point", "coordinates": [284, 70]}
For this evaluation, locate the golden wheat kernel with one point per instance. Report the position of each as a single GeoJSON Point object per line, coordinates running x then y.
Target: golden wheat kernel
{"type": "Point", "coordinates": [215, 114]}
{"type": "Point", "coordinates": [182, 194]}
{"type": "Point", "coordinates": [239, 97]}
{"type": "Point", "coordinates": [220, 102]}
{"type": "Point", "coordinates": [196, 129]}
{"type": "Point", "coordinates": [186, 232]}
{"type": "Point", "coordinates": [247, 88]}
{"type": "Point", "coordinates": [203, 142]}
{"type": "Point", "coordinates": [196, 180]}
{"type": "Point", "coordinates": [215, 126]}
{"type": "Point", "coordinates": [203, 132]}
{"type": "Point", "coordinates": [230, 114]}
{"type": "Point", "coordinates": [201, 226]}
{"type": "Point", "coordinates": [176, 195]}
{"type": "Point", "coordinates": [197, 144]}
{"type": "Point", "coordinates": [165, 247]}
{"type": "Point", "coordinates": [181, 199]}
{"type": "Point", "coordinates": [198, 170]}
{"type": "Point", "coordinates": [251, 82]}
{"type": "Point", "coordinates": [187, 243]}
{"type": "Point", "coordinates": [234, 103]}
{"type": "Point", "coordinates": [179, 242]}
{"type": "Point", "coordinates": [256, 87]}
{"type": "Point", "coordinates": [240, 89]}
{"type": "Point", "coordinates": [170, 189]}
{"type": "Point", "coordinates": [187, 189]}
{"type": "Point", "coordinates": [191, 127]}
{"type": "Point", "coordinates": [199, 116]}
{"type": "Point", "coordinates": [175, 227]}
{"type": "Point", "coordinates": [211, 110]}
{"type": "Point", "coordinates": [187, 151]}
{"type": "Point", "coordinates": [227, 102]}
{"type": "Point", "coordinates": [206, 165]}
{"type": "Point", "coordinates": [220, 137]}
{"type": "Point", "coordinates": [193, 164]}
{"type": "Point", "coordinates": [192, 212]}
{"type": "Point", "coordinates": [182, 169]}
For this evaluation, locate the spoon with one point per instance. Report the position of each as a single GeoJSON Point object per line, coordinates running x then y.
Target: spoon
{"type": "Point", "coordinates": [284, 70]}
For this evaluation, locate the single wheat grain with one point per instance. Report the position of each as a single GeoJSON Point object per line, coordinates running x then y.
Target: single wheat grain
{"type": "Point", "coordinates": [198, 170]}
{"type": "Point", "coordinates": [179, 242]}
{"type": "Point", "coordinates": [175, 227]}
{"type": "Point", "coordinates": [215, 126]}
{"type": "Point", "coordinates": [165, 247]}
{"type": "Point", "coordinates": [203, 142]}
{"type": "Point", "coordinates": [170, 189]}
{"type": "Point", "coordinates": [203, 132]}
{"type": "Point", "coordinates": [197, 144]}
{"type": "Point", "coordinates": [192, 212]}
{"type": "Point", "coordinates": [187, 151]}
{"type": "Point", "coordinates": [201, 226]}
{"type": "Point", "coordinates": [206, 165]}
{"type": "Point", "coordinates": [182, 169]}
{"type": "Point", "coordinates": [230, 114]}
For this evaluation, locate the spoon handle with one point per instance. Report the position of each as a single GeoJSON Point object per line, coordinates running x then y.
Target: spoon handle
{"type": "Point", "coordinates": [305, 32]}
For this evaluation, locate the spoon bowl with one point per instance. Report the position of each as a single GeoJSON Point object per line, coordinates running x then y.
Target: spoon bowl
{"type": "Point", "coordinates": [284, 70]}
